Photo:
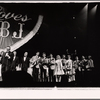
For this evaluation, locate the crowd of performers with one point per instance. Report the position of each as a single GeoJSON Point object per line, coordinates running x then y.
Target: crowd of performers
{"type": "Point", "coordinates": [45, 69]}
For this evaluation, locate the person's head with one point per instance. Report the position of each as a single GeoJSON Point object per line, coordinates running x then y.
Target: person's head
{"type": "Point", "coordinates": [58, 57]}
{"type": "Point", "coordinates": [51, 55]}
{"type": "Point", "coordinates": [67, 50]}
{"type": "Point", "coordinates": [75, 50]}
{"type": "Point", "coordinates": [44, 54]}
{"type": "Point", "coordinates": [69, 57]}
{"type": "Point", "coordinates": [15, 53]}
{"type": "Point", "coordinates": [25, 54]}
{"type": "Point", "coordinates": [83, 57]}
{"type": "Point", "coordinates": [63, 56]}
{"type": "Point", "coordinates": [76, 58]}
{"type": "Point", "coordinates": [89, 57]}
{"type": "Point", "coordinates": [37, 53]}
{"type": "Point", "coordinates": [8, 48]}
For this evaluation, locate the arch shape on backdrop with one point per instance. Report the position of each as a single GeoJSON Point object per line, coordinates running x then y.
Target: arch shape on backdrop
{"type": "Point", "coordinates": [29, 36]}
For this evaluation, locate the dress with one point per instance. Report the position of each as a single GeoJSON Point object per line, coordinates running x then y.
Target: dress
{"type": "Point", "coordinates": [58, 67]}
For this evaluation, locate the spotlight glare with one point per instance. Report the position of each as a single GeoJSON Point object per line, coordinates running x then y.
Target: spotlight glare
{"type": "Point", "coordinates": [73, 17]}
{"type": "Point", "coordinates": [93, 10]}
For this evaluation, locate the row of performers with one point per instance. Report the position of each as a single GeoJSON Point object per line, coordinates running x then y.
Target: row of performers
{"type": "Point", "coordinates": [44, 69]}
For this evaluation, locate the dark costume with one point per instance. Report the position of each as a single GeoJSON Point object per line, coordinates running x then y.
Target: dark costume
{"type": "Point", "coordinates": [15, 63]}
{"type": "Point", "coordinates": [25, 63]}
{"type": "Point", "coordinates": [7, 61]}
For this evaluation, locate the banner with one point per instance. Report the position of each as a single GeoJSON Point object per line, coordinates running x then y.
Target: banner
{"type": "Point", "coordinates": [18, 37]}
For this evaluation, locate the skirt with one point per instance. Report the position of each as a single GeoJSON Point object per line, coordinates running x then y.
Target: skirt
{"type": "Point", "coordinates": [58, 72]}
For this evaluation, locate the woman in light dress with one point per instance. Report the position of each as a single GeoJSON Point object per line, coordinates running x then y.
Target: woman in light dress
{"type": "Point", "coordinates": [58, 69]}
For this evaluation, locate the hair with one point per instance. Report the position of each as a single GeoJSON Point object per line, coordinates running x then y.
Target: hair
{"type": "Point", "coordinates": [90, 56]}
{"type": "Point", "coordinates": [58, 56]}
{"type": "Point", "coordinates": [44, 53]}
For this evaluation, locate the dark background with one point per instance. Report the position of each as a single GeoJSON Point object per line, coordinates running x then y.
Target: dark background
{"type": "Point", "coordinates": [59, 28]}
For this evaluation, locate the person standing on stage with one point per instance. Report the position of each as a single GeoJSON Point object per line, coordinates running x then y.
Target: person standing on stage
{"type": "Point", "coordinates": [15, 61]}
{"type": "Point", "coordinates": [76, 63]}
{"type": "Point", "coordinates": [76, 67]}
{"type": "Point", "coordinates": [25, 62]}
{"type": "Point", "coordinates": [7, 60]}
{"type": "Point", "coordinates": [58, 69]}
{"type": "Point", "coordinates": [74, 55]}
{"type": "Point", "coordinates": [67, 52]}
{"type": "Point", "coordinates": [90, 63]}
{"type": "Point", "coordinates": [83, 64]}
{"type": "Point", "coordinates": [64, 63]}
{"type": "Point", "coordinates": [69, 64]}
{"type": "Point", "coordinates": [51, 68]}
{"type": "Point", "coordinates": [89, 69]}
{"type": "Point", "coordinates": [44, 68]}
{"type": "Point", "coordinates": [0, 63]}
{"type": "Point", "coordinates": [34, 68]}
{"type": "Point", "coordinates": [37, 67]}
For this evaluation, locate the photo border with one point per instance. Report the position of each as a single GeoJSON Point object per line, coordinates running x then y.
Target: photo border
{"type": "Point", "coordinates": [49, 93]}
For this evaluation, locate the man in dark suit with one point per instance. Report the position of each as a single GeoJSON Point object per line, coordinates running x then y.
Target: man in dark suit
{"type": "Point", "coordinates": [7, 59]}
{"type": "Point", "coordinates": [15, 61]}
{"type": "Point", "coordinates": [25, 62]}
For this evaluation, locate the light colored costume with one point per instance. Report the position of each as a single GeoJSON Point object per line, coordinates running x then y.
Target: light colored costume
{"type": "Point", "coordinates": [58, 67]}
{"type": "Point", "coordinates": [33, 62]}
{"type": "Point", "coordinates": [45, 65]}
{"type": "Point", "coordinates": [69, 64]}
{"type": "Point", "coordinates": [90, 64]}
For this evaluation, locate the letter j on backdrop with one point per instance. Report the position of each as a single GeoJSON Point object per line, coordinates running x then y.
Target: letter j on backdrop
{"type": "Point", "coordinates": [5, 28]}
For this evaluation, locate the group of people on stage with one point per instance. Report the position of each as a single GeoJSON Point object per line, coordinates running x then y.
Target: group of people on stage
{"type": "Point", "coordinates": [45, 69]}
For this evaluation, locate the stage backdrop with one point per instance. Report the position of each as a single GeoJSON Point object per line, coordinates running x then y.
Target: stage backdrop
{"type": "Point", "coordinates": [14, 31]}
{"type": "Point", "coordinates": [51, 28]}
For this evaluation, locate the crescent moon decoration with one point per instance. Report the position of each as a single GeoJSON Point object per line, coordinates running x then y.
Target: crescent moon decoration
{"type": "Point", "coordinates": [27, 37]}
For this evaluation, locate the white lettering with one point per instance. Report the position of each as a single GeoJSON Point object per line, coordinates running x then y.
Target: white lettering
{"type": "Point", "coordinates": [4, 32]}
{"type": "Point", "coordinates": [20, 32]}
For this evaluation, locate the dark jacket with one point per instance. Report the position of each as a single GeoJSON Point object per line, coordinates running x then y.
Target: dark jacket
{"type": "Point", "coordinates": [6, 62]}
{"type": "Point", "coordinates": [25, 64]}
{"type": "Point", "coordinates": [15, 63]}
